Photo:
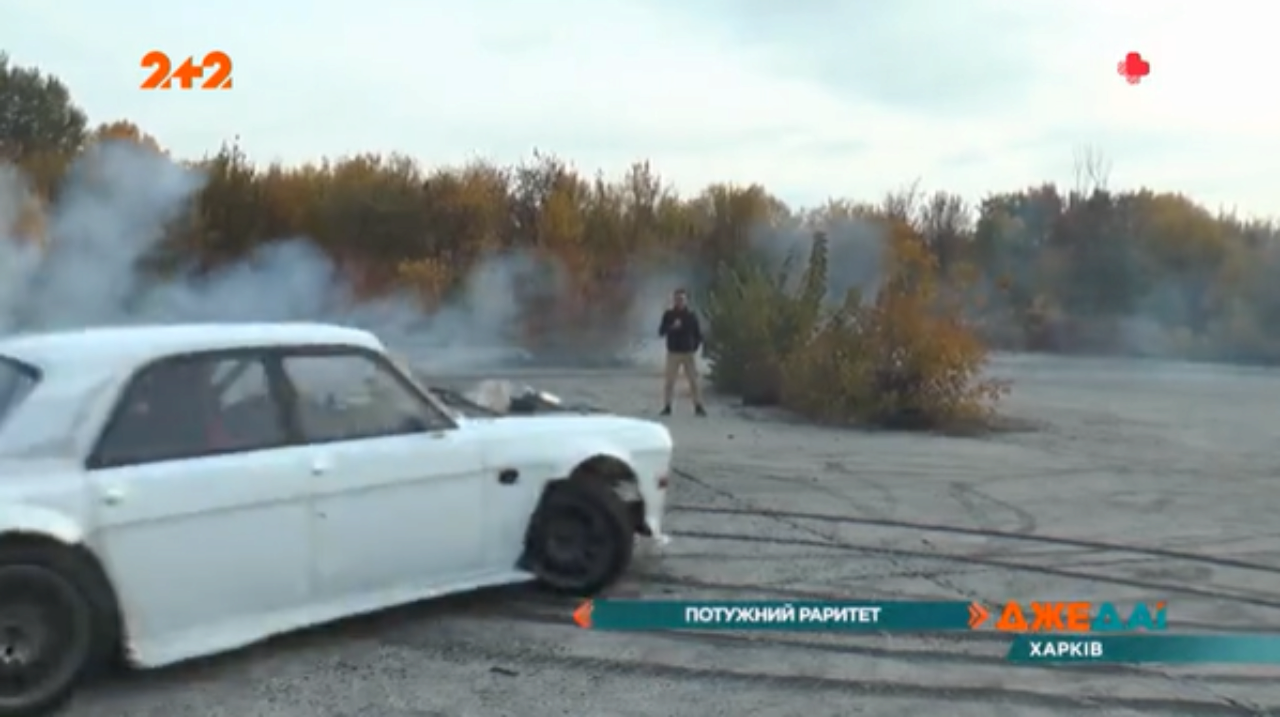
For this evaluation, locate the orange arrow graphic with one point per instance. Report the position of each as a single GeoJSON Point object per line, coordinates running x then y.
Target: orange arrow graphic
{"type": "Point", "coordinates": [977, 615]}
{"type": "Point", "coordinates": [582, 615]}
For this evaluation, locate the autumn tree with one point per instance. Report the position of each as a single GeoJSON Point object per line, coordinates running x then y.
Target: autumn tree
{"type": "Point", "coordinates": [124, 130]}
{"type": "Point", "coordinates": [849, 311]}
{"type": "Point", "coordinates": [37, 115]}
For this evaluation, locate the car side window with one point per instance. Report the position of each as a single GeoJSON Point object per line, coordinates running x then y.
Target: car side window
{"type": "Point", "coordinates": [249, 416]}
{"type": "Point", "coordinates": [190, 407]}
{"type": "Point", "coordinates": [350, 396]}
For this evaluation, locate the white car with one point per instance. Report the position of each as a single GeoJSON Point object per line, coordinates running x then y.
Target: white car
{"type": "Point", "coordinates": [172, 492]}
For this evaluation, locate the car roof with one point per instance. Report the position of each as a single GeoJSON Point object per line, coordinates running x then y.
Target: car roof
{"type": "Point", "coordinates": [130, 346]}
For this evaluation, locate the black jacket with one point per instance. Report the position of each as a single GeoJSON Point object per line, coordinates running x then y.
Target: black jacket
{"type": "Point", "coordinates": [681, 328]}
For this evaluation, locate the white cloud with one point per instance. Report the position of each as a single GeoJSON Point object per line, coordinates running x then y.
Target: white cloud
{"type": "Point", "coordinates": [813, 99]}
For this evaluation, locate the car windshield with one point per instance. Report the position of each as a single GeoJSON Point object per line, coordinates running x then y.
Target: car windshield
{"type": "Point", "coordinates": [16, 381]}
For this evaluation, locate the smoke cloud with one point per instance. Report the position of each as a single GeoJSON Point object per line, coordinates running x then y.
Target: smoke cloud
{"type": "Point", "coordinates": [855, 253]}
{"type": "Point", "coordinates": [113, 211]}
{"type": "Point", "coordinates": [19, 257]}
{"type": "Point", "coordinates": [118, 202]}
{"type": "Point", "coordinates": [1124, 304]}
{"type": "Point", "coordinates": [653, 288]}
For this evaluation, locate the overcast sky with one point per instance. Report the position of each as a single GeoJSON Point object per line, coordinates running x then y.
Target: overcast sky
{"type": "Point", "coordinates": [813, 98]}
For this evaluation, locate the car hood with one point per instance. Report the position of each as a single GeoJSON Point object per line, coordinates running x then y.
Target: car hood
{"type": "Point", "coordinates": [498, 411]}
{"type": "Point", "coordinates": [569, 424]}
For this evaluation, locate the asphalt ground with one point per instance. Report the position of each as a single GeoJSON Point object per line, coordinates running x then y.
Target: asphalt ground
{"type": "Point", "coordinates": [1131, 481]}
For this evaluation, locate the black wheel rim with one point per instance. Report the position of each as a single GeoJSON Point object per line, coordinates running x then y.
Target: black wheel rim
{"type": "Point", "coordinates": [42, 637]}
{"type": "Point", "coordinates": [575, 542]}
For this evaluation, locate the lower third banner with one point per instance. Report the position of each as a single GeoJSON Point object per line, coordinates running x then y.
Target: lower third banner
{"type": "Point", "coordinates": [1168, 649]}
{"type": "Point", "coordinates": [796, 616]}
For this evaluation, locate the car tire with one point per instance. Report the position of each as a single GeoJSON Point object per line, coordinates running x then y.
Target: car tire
{"type": "Point", "coordinates": [581, 539]}
{"type": "Point", "coordinates": [58, 626]}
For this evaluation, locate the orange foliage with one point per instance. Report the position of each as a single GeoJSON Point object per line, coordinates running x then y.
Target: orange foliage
{"type": "Point", "coordinates": [1034, 267]}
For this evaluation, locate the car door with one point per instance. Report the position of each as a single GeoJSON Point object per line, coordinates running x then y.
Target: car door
{"type": "Point", "coordinates": [395, 485]}
{"type": "Point", "coordinates": [203, 524]}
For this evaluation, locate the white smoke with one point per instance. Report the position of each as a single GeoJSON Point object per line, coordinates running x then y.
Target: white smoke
{"type": "Point", "coordinates": [19, 256]}
{"type": "Point", "coordinates": [856, 250]}
{"type": "Point", "coordinates": [653, 295]}
{"type": "Point", "coordinates": [113, 210]}
{"type": "Point", "coordinates": [493, 394]}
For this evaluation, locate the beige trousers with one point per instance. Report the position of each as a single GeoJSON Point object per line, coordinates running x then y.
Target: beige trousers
{"type": "Point", "coordinates": [677, 363]}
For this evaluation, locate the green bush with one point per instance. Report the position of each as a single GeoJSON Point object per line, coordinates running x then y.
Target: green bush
{"type": "Point", "coordinates": [756, 322]}
{"type": "Point", "coordinates": [1052, 270]}
{"type": "Point", "coordinates": [907, 359]}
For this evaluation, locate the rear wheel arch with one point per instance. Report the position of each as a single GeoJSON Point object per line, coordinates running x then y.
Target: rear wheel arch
{"type": "Point", "coordinates": [91, 616]}
{"type": "Point", "coordinates": [75, 561]}
{"type": "Point", "coordinates": [37, 522]}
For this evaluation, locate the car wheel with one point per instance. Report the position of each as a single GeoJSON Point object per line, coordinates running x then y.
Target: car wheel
{"type": "Point", "coordinates": [52, 632]}
{"type": "Point", "coordinates": [581, 538]}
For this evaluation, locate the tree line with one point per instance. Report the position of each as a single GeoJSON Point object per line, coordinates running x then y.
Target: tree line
{"type": "Point", "coordinates": [877, 311]}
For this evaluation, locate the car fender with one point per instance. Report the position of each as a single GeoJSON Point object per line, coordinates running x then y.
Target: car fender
{"type": "Point", "coordinates": [541, 462]}
{"type": "Point", "coordinates": [578, 451]}
{"type": "Point", "coordinates": [43, 522]}
{"type": "Point", "coordinates": [650, 493]}
{"type": "Point", "coordinates": [549, 448]}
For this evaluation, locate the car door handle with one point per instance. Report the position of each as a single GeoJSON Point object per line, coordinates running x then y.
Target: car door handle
{"type": "Point", "coordinates": [113, 495]}
{"type": "Point", "coordinates": [320, 466]}
{"type": "Point", "coordinates": [508, 476]}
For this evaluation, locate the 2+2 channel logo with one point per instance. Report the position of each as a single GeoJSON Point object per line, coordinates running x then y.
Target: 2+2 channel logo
{"type": "Point", "coordinates": [218, 64]}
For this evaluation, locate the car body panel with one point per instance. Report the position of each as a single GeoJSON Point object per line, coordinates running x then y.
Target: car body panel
{"type": "Point", "coordinates": [213, 552]}
{"type": "Point", "coordinates": [43, 498]}
{"type": "Point", "coordinates": [549, 447]}
{"type": "Point", "coordinates": [185, 537]}
{"type": "Point", "coordinates": [397, 511]}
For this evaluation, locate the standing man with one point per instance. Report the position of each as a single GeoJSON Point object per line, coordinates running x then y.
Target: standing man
{"type": "Point", "coordinates": [684, 337]}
